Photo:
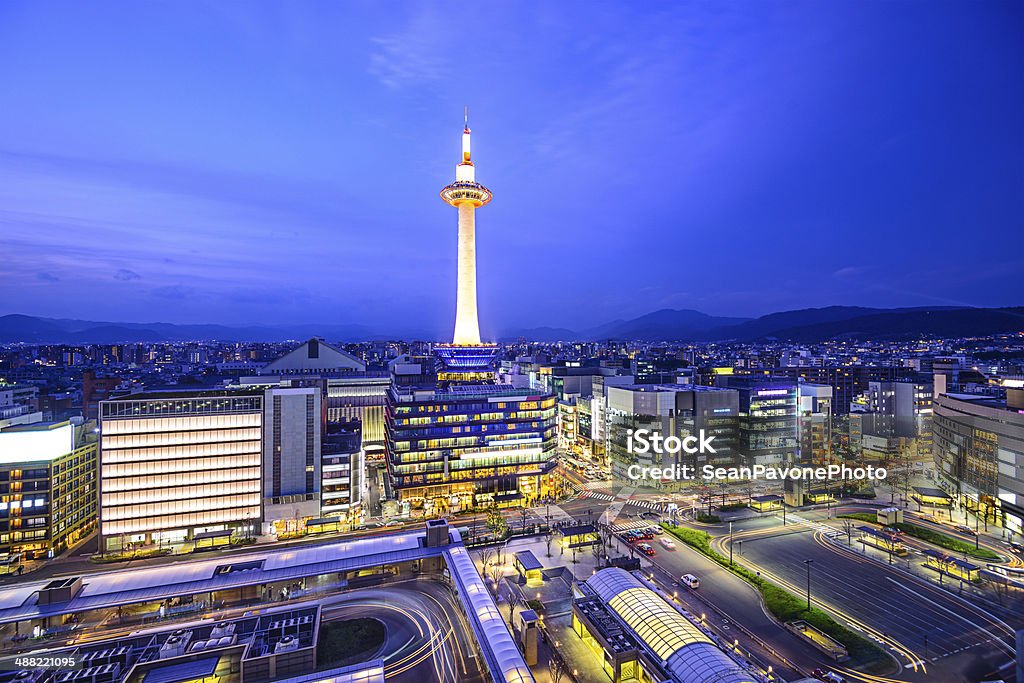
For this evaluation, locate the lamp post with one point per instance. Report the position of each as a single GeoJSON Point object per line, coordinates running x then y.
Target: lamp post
{"type": "Point", "coordinates": [730, 544]}
{"type": "Point", "coordinates": [808, 563]}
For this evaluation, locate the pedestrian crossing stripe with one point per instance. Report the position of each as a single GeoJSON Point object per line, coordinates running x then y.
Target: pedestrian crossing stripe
{"type": "Point", "coordinates": [608, 498]}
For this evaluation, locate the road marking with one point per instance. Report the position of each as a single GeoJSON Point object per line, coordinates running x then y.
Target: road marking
{"type": "Point", "coordinates": [941, 607]}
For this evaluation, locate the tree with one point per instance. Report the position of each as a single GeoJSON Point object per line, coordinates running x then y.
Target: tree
{"type": "Point", "coordinates": [523, 512]}
{"type": "Point", "coordinates": [513, 601]}
{"type": "Point", "coordinates": [548, 540]}
{"type": "Point", "coordinates": [848, 528]}
{"type": "Point", "coordinates": [496, 574]}
{"type": "Point", "coordinates": [599, 551]}
{"type": "Point", "coordinates": [556, 669]}
{"type": "Point", "coordinates": [496, 521]}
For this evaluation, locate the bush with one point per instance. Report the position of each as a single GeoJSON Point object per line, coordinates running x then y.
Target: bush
{"type": "Point", "coordinates": [731, 506]}
{"type": "Point", "coordinates": [862, 516]}
{"type": "Point", "coordinates": [131, 555]}
{"type": "Point", "coordinates": [947, 542]}
{"type": "Point", "coordinates": [781, 603]}
{"type": "Point", "coordinates": [933, 537]}
{"type": "Point", "coordinates": [708, 519]}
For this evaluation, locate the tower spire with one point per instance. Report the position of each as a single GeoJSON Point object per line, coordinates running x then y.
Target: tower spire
{"type": "Point", "coordinates": [466, 129]}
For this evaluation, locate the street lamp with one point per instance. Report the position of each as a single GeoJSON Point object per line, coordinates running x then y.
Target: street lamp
{"type": "Point", "coordinates": [808, 563]}
{"type": "Point", "coordinates": [730, 544]}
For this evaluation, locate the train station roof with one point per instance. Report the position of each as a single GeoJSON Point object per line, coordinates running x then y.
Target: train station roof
{"type": "Point", "coordinates": [686, 652]}
{"type": "Point", "coordinates": [20, 602]}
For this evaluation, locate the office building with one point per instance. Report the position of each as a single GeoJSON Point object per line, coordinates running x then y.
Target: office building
{"type": "Point", "coordinates": [19, 404]}
{"type": "Point", "coordinates": [466, 446]}
{"type": "Point", "coordinates": [361, 396]}
{"type": "Point", "coordinates": [343, 470]}
{"type": "Point", "coordinates": [979, 454]}
{"type": "Point", "coordinates": [847, 381]}
{"type": "Point", "coordinates": [94, 390]}
{"type": "Point", "coordinates": [814, 420]}
{"type": "Point", "coordinates": [47, 487]}
{"type": "Point", "coordinates": [679, 410]}
{"type": "Point", "coordinates": [293, 424]}
{"type": "Point", "coordinates": [768, 425]}
{"type": "Point", "coordinates": [315, 357]}
{"type": "Point", "coordinates": [174, 464]}
{"type": "Point", "coordinates": [352, 390]}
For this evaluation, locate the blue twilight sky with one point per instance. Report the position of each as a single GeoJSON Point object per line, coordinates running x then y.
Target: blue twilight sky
{"type": "Point", "coordinates": [245, 162]}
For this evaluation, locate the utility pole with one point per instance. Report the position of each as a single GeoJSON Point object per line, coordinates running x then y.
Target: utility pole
{"type": "Point", "coordinates": [808, 563]}
{"type": "Point", "coordinates": [730, 544]}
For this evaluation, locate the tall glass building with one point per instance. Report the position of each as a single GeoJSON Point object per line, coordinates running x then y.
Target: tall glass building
{"type": "Point", "coordinates": [464, 446]}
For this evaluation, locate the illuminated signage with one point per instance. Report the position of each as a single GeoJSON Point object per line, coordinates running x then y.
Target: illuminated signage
{"type": "Point", "coordinates": [36, 444]}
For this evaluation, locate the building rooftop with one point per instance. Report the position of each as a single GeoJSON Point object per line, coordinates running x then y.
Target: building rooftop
{"type": "Point", "coordinates": [685, 651]}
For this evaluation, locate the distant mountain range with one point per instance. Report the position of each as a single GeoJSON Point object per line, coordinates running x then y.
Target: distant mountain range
{"type": "Point", "coordinates": [806, 325]}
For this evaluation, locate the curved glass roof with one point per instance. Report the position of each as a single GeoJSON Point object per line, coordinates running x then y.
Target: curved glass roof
{"type": "Point", "coordinates": [658, 624]}
{"type": "Point", "coordinates": [689, 654]}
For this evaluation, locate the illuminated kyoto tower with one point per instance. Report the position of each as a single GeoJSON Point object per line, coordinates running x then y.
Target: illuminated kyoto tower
{"type": "Point", "coordinates": [466, 195]}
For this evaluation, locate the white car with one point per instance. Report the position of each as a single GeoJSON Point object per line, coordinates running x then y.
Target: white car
{"type": "Point", "coordinates": [667, 544]}
{"type": "Point", "coordinates": [690, 581]}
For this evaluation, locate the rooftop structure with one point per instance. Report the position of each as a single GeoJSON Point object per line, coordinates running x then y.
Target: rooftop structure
{"type": "Point", "coordinates": [39, 602]}
{"type": "Point", "coordinates": [684, 651]}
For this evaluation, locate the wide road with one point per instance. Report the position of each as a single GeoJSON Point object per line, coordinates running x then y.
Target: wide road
{"type": "Point", "coordinates": [937, 635]}
{"type": "Point", "coordinates": [427, 636]}
{"type": "Point", "coordinates": [738, 603]}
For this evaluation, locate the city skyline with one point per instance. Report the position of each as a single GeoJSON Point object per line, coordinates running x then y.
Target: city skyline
{"type": "Point", "coordinates": [281, 166]}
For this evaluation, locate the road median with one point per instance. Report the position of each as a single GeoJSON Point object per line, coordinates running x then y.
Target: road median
{"type": "Point", "coordinates": [785, 606]}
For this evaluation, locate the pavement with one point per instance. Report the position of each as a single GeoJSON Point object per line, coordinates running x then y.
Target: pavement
{"type": "Point", "coordinates": [427, 635]}
{"type": "Point", "coordinates": [934, 633]}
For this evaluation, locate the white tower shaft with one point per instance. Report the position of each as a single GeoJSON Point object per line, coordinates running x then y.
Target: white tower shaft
{"type": "Point", "coordinates": [467, 326]}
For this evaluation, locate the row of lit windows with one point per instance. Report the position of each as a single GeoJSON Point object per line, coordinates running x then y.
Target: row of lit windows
{"type": "Point", "coordinates": [470, 429]}
{"type": "Point", "coordinates": [472, 407]}
{"type": "Point", "coordinates": [479, 417]}
{"type": "Point", "coordinates": [171, 468]}
{"type": "Point", "coordinates": [180, 438]}
{"type": "Point", "coordinates": [455, 466]}
{"type": "Point", "coordinates": [406, 455]}
{"type": "Point", "coordinates": [232, 511]}
{"type": "Point", "coordinates": [192, 493]}
{"type": "Point", "coordinates": [186, 478]}
{"type": "Point", "coordinates": [181, 424]}
{"type": "Point", "coordinates": [169, 452]}
{"type": "Point", "coordinates": [176, 407]}
{"type": "Point", "coordinates": [187, 506]}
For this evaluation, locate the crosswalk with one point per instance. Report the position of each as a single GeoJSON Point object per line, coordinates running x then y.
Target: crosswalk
{"type": "Point", "coordinates": [630, 525]}
{"type": "Point", "coordinates": [607, 498]}
{"type": "Point", "coordinates": [596, 495]}
{"type": "Point", "coordinates": [825, 529]}
{"type": "Point", "coordinates": [649, 504]}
